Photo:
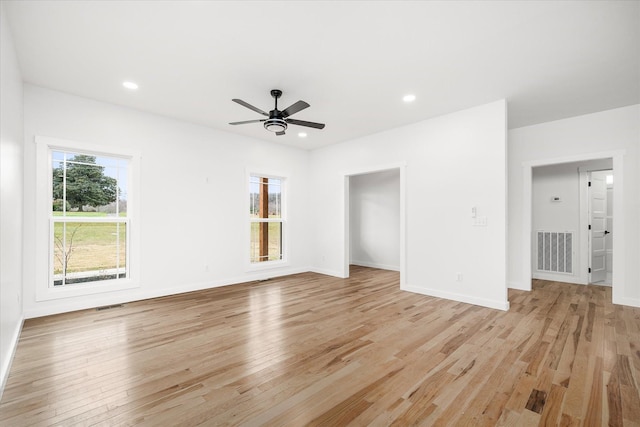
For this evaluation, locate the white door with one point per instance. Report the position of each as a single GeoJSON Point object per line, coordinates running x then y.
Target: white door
{"type": "Point", "coordinates": [598, 226]}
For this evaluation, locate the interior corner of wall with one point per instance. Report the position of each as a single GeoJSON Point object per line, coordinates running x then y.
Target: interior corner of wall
{"type": "Point", "coordinates": [7, 359]}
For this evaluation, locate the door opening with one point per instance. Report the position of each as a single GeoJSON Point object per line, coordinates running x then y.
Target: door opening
{"type": "Point", "coordinates": [374, 220]}
{"type": "Point", "coordinates": [617, 236]}
{"type": "Point", "coordinates": [572, 222]}
{"type": "Point", "coordinates": [376, 247]}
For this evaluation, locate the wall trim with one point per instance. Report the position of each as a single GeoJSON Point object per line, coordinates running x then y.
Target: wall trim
{"type": "Point", "coordinates": [483, 302]}
{"type": "Point", "coordinates": [517, 286]}
{"type": "Point", "coordinates": [6, 364]}
{"type": "Point", "coordinates": [328, 272]}
{"type": "Point", "coordinates": [632, 302]}
{"type": "Point", "coordinates": [376, 265]}
{"type": "Point", "coordinates": [558, 278]}
{"type": "Point", "coordinates": [122, 298]}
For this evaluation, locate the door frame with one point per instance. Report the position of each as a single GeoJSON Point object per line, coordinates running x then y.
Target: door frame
{"type": "Point", "coordinates": [403, 241]}
{"type": "Point", "coordinates": [619, 239]}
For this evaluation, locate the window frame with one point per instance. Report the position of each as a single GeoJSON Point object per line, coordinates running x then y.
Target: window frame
{"type": "Point", "coordinates": [284, 242]}
{"type": "Point", "coordinates": [45, 253]}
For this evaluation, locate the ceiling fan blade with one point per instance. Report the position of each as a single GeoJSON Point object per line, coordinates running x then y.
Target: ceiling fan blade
{"type": "Point", "coordinates": [248, 121]}
{"type": "Point", "coordinates": [249, 106]}
{"type": "Point", "coordinates": [280, 133]}
{"type": "Point", "coordinates": [307, 124]}
{"type": "Point", "coordinates": [292, 109]}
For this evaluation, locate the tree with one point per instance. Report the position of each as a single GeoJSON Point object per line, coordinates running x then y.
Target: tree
{"type": "Point", "coordinates": [63, 254]}
{"type": "Point", "coordinates": [86, 182]}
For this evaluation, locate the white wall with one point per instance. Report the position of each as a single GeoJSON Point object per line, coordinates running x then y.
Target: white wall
{"type": "Point", "coordinates": [595, 135]}
{"type": "Point", "coordinates": [193, 194]}
{"type": "Point", "coordinates": [562, 180]}
{"type": "Point", "coordinates": [11, 194]}
{"type": "Point", "coordinates": [374, 224]}
{"type": "Point", "coordinates": [453, 162]}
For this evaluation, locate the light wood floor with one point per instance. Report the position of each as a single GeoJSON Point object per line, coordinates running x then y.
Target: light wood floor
{"type": "Point", "coordinates": [311, 349]}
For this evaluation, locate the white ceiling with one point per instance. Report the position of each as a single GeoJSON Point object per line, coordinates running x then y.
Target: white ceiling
{"type": "Point", "coordinates": [352, 61]}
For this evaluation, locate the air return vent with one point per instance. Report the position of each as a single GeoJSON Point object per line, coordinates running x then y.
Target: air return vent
{"type": "Point", "coordinates": [555, 251]}
{"type": "Point", "coordinates": [109, 307]}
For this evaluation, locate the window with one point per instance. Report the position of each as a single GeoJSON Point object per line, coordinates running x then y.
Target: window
{"type": "Point", "coordinates": [266, 219]}
{"type": "Point", "coordinates": [89, 223]}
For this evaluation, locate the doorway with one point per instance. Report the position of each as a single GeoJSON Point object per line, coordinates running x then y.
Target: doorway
{"type": "Point", "coordinates": [375, 224]}
{"type": "Point", "coordinates": [374, 220]}
{"type": "Point", "coordinates": [618, 237]}
{"type": "Point", "coordinates": [569, 221]}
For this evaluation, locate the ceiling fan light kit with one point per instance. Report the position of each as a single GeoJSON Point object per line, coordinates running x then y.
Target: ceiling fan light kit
{"type": "Point", "coordinates": [278, 121]}
{"type": "Point", "coordinates": [275, 125]}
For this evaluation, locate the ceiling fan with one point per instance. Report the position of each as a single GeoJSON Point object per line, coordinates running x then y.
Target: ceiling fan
{"type": "Point", "coordinates": [278, 120]}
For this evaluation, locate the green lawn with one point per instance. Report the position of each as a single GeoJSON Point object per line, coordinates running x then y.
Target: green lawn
{"type": "Point", "coordinates": [89, 246]}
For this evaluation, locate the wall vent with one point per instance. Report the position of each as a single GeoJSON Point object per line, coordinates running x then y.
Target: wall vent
{"type": "Point", "coordinates": [108, 307]}
{"type": "Point", "coordinates": [555, 251]}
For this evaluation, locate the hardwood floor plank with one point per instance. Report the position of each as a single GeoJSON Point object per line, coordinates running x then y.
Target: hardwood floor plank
{"type": "Point", "coordinates": [551, 413]}
{"type": "Point", "coordinates": [614, 399]}
{"type": "Point", "coordinates": [594, 407]}
{"type": "Point", "coordinates": [536, 401]}
{"type": "Point", "coordinates": [308, 349]}
{"type": "Point", "coordinates": [492, 414]}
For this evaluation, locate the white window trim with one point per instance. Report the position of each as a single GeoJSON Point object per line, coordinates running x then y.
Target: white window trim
{"type": "Point", "coordinates": [266, 265]}
{"type": "Point", "coordinates": [44, 256]}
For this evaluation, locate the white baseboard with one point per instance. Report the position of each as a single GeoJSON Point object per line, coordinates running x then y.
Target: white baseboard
{"type": "Point", "coordinates": [483, 302]}
{"type": "Point", "coordinates": [8, 359]}
{"type": "Point", "coordinates": [519, 286]}
{"type": "Point", "coordinates": [138, 294]}
{"type": "Point", "coordinates": [565, 278]}
{"type": "Point", "coordinates": [376, 265]}
{"type": "Point", "coordinates": [141, 294]}
{"type": "Point", "coordinates": [632, 302]}
{"type": "Point", "coordinates": [326, 272]}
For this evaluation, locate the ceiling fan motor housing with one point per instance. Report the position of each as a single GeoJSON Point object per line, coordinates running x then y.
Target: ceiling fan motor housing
{"type": "Point", "coordinates": [275, 124]}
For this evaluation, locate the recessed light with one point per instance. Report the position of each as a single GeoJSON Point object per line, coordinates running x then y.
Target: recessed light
{"type": "Point", "coordinates": [302, 134]}
{"type": "Point", "coordinates": [130, 85]}
{"type": "Point", "coordinates": [409, 98]}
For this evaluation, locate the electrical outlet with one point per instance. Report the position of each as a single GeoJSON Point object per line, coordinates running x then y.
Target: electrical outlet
{"type": "Point", "coordinates": [458, 277]}
{"type": "Point", "coordinates": [480, 221]}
